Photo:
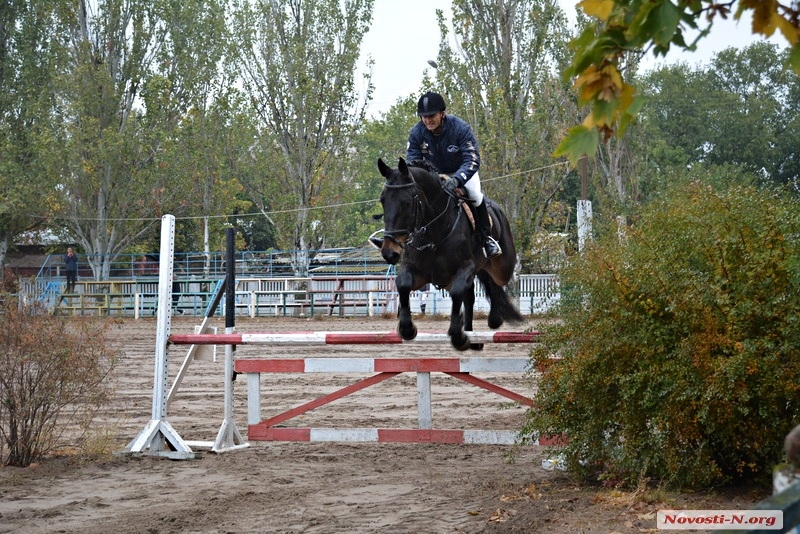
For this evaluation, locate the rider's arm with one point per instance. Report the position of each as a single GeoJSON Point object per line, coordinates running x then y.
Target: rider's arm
{"type": "Point", "coordinates": [470, 157]}
{"type": "Point", "coordinates": [414, 150]}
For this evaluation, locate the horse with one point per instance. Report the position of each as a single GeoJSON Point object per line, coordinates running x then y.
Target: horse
{"type": "Point", "coordinates": [430, 238]}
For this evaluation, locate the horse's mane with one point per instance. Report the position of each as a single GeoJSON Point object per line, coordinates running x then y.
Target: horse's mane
{"type": "Point", "coordinates": [422, 164]}
{"type": "Point", "coordinates": [429, 171]}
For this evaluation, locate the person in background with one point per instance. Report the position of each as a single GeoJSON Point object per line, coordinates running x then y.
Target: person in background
{"type": "Point", "coordinates": [447, 143]}
{"type": "Point", "coordinates": [176, 293]}
{"type": "Point", "coordinates": [71, 269]}
{"type": "Point", "coordinates": [423, 297]}
{"type": "Point", "coordinates": [140, 266]}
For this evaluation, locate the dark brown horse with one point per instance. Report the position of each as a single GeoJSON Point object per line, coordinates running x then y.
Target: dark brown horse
{"type": "Point", "coordinates": [430, 238]}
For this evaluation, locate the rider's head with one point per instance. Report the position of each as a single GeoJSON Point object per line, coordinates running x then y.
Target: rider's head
{"type": "Point", "coordinates": [430, 109]}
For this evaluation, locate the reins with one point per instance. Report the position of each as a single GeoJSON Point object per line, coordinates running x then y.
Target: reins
{"type": "Point", "coordinates": [418, 231]}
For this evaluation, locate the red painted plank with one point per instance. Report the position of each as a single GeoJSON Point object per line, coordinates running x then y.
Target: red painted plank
{"type": "Point", "coordinates": [358, 338]}
{"type": "Point", "coordinates": [294, 365]}
{"type": "Point", "coordinates": [553, 441]}
{"type": "Point", "coordinates": [261, 432]}
{"type": "Point", "coordinates": [515, 337]}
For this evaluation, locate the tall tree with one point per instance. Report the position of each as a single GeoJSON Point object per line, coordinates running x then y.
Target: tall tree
{"type": "Point", "coordinates": [750, 108]}
{"type": "Point", "coordinates": [125, 53]}
{"type": "Point", "coordinates": [740, 110]}
{"type": "Point", "coordinates": [209, 152]}
{"type": "Point", "coordinates": [297, 60]}
{"type": "Point", "coordinates": [502, 76]}
{"type": "Point", "coordinates": [30, 59]}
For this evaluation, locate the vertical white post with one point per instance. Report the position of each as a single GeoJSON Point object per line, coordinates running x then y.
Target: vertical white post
{"type": "Point", "coordinates": [424, 401]}
{"type": "Point", "coordinates": [253, 398]}
{"type": "Point", "coordinates": [155, 435]}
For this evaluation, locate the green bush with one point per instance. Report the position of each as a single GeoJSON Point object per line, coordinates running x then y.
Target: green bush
{"type": "Point", "coordinates": [679, 341]}
{"type": "Point", "coordinates": [52, 381]}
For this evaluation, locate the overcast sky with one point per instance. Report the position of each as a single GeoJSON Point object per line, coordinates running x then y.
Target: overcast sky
{"type": "Point", "coordinates": [404, 36]}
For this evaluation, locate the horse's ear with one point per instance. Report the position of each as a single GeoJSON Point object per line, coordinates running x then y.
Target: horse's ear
{"type": "Point", "coordinates": [401, 164]}
{"type": "Point", "coordinates": [383, 168]}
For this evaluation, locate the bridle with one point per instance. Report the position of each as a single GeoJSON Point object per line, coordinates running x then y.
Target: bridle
{"type": "Point", "coordinates": [418, 231]}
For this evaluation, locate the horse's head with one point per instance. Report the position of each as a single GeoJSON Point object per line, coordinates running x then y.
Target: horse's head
{"type": "Point", "coordinates": [401, 208]}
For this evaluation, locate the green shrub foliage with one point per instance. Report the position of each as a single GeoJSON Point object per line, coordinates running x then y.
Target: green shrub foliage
{"type": "Point", "coordinates": [52, 381]}
{"type": "Point", "coordinates": [678, 339]}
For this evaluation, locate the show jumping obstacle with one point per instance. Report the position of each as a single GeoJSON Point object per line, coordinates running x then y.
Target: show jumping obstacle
{"type": "Point", "coordinates": [160, 438]}
{"type": "Point", "coordinates": [460, 368]}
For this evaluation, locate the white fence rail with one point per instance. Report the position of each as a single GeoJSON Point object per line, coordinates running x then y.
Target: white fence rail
{"type": "Point", "coordinates": [263, 297]}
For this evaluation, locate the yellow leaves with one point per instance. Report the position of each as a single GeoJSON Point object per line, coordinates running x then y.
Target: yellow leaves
{"type": "Point", "coordinates": [789, 30]}
{"type": "Point", "coordinates": [601, 84]}
{"type": "Point", "coordinates": [601, 9]}
{"type": "Point", "coordinates": [532, 492]}
{"type": "Point", "coordinates": [624, 26]}
{"type": "Point", "coordinates": [501, 515]}
{"type": "Point", "coordinates": [766, 20]}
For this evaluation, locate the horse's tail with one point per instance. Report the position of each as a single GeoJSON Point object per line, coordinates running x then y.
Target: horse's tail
{"type": "Point", "coordinates": [502, 308]}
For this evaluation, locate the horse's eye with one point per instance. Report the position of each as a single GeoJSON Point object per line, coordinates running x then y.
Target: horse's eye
{"type": "Point", "coordinates": [377, 216]}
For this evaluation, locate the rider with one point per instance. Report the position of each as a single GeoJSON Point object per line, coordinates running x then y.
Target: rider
{"type": "Point", "coordinates": [447, 143]}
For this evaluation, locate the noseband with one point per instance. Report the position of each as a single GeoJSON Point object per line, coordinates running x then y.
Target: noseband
{"type": "Point", "coordinates": [392, 234]}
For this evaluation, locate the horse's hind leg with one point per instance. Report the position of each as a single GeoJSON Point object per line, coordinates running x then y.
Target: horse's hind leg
{"type": "Point", "coordinates": [495, 319]}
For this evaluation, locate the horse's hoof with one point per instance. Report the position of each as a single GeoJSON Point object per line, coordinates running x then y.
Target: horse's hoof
{"type": "Point", "coordinates": [495, 322]}
{"type": "Point", "coordinates": [476, 346]}
{"type": "Point", "coordinates": [460, 342]}
{"type": "Point", "coordinates": [407, 332]}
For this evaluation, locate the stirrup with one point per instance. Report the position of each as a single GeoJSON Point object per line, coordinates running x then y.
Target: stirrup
{"type": "Point", "coordinates": [492, 248]}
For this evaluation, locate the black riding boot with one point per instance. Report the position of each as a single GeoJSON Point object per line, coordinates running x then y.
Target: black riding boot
{"type": "Point", "coordinates": [491, 247]}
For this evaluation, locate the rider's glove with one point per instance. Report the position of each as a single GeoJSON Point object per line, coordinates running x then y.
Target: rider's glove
{"type": "Point", "coordinates": [451, 184]}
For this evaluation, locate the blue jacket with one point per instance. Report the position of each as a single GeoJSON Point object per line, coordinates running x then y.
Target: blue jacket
{"type": "Point", "coordinates": [71, 263]}
{"type": "Point", "coordinates": [453, 152]}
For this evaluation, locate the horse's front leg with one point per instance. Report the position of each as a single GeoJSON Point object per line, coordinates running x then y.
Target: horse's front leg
{"type": "Point", "coordinates": [458, 292]}
{"type": "Point", "coordinates": [469, 307]}
{"type": "Point", "coordinates": [405, 325]}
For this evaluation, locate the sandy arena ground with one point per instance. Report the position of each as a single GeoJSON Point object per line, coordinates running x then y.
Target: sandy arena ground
{"type": "Point", "coordinates": [319, 487]}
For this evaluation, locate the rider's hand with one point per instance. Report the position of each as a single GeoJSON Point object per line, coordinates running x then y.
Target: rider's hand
{"type": "Point", "coordinates": [451, 184]}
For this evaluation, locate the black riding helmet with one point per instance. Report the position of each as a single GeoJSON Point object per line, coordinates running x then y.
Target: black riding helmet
{"type": "Point", "coordinates": [430, 104]}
